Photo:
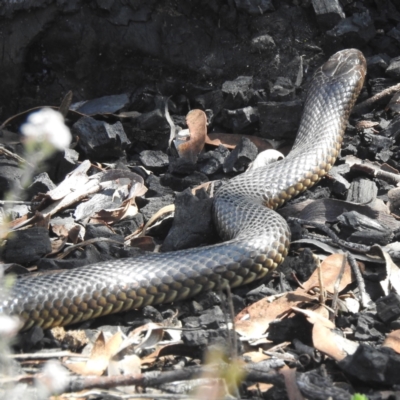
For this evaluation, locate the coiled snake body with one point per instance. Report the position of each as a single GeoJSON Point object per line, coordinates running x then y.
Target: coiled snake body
{"type": "Point", "coordinates": [256, 239]}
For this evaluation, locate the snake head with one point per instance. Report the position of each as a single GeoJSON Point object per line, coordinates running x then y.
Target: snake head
{"type": "Point", "coordinates": [349, 62]}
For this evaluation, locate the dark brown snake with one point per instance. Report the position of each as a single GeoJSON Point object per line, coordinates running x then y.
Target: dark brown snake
{"type": "Point", "coordinates": [256, 238]}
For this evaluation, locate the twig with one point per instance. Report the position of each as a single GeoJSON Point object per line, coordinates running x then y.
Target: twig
{"type": "Point", "coordinates": [336, 288]}
{"type": "Point", "coordinates": [377, 100]}
{"type": "Point", "coordinates": [360, 248]}
{"type": "Point", "coordinates": [322, 293]}
{"type": "Point", "coordinates": [14, 156]}
{"type": "Point", "coordinates": [156, 378]}
{"type": "Point", "coordinates": [364, 297]}
{"type": "Point", "coordinates": [45, 356]}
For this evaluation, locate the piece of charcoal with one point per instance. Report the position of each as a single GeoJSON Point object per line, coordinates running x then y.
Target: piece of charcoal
{"type": "Point", "coordinates": [241, 156]}
{"type": "Point", "coordinates": [237, 93]}
{"type": "Point", "coordinates": [377, 65]}
{"type": "Point", "coordinates": [27, 246]}
{"type": "Point", "coordinates": [191, 322]}
{"type": "Point", "coordinates": [328, 12]}
{"type": "Point", "coordinates": [377, 85]}
{"type": "Point", "coordinates": [40, 184]}
{"type": "Point", "coordinates": [282, 90]}
{"type": "Point", "coordinates": [263, 43]}
{"type": "Point", "coordinates": [10, 175]}
{"type": "Point", "coordinates": [362, 229]}
{"type": "Point", "coordinates": [373, 365]}
{"type": "Point", "coordinates": [208, 299]}
{"type": "Point", "coordinates": [241, 120]}
{"type": "Point", "coordinates": [61, 164]}
{"type": "Point", "coordinates": [379, 142]}
{"type": "Point", "coordinates": [212, 161]}
{"type": "Point", "coordinates": [181, 166]}
{"type": "Point", "coordinates": [100, 139]}
{"type": "Point", "coordinates": [196, 338]}
{"type": "Point", "coordinates": [152, 313]}
{"type": "Point", "coordinates": [179, 183]}
{"type": "Point", "coordinates": [356, 30]}
{"type": "Point", "coordinates": [280, 120]}
{"type": "Point", "coordinates": [212, 100]}
{"type": "Point", "coordinates": [153, 120]}
{"type": "Point", "coordinates": [148, 207]}
{"type": "Point", "coordinates": [366, 330]}
{"type": "Point", "coordinates": [155, 188]}
{"type": "Point", "coordinates": [255, 7]}
{"type": "Point", "coordinates": [288, 329]}
{"type": "Point", "coordinates": [103, 105]}
{"type": "Point", "coordinates": [212, 318]}
{"type": "Point", "coordinates": [154, 160]}
{"type": "Point", "coordinates": [188, 230]}
{"type": "Point", "coordinates": [100, 230]}
{"type": "Point", "coordinates": [388, 307]}
{"type": "Point", "coordinates": [195, 307]}
{"type": "Point", "coordinates": [393, 70]}
{"type": "Point", "coordinates": [362, 191]}
{"type": "Point", "coordinates": [338, 184]}
{"type": "Point", "coordinates": [393, 129]}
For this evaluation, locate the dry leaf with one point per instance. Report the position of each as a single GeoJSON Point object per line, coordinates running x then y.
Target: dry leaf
{"type": "Point", "coordinates": [253, 321]}
{"type": "Point", "coordinates": [324, 337]}
{"type": "Point", "coordinates": [330, 269]}
{"type": "Point", "coordinates": [146, 243]}
{"type": "Point", "coordinates": [100, 357]}
{"type": "Point", "coordinates": [231, 140]}
{"type": "Point", "coordinates": [192, 147]}
{"type": "Point", "coordinates": [393, 341]}
{"type": "Point", "coordinates": [392, 279]}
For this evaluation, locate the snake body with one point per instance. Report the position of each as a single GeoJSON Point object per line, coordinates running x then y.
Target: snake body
{"type": "Point", "coordinates": [256, 238]}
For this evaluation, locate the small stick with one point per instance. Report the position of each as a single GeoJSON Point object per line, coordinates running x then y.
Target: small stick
{"type": "Point", "coordinates": [376, 100]}
{"type": "Point", "coordinates": [336, 289]}
{"type": "Point", "coordinates": [364, 296]}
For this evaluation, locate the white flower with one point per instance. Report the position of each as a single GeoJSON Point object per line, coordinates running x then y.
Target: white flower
{"type": "Point", "coordinates": [47, 125]}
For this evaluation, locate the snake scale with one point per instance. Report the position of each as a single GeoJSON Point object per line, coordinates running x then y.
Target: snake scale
{"type": "Point", "coordinates": [256, 238]}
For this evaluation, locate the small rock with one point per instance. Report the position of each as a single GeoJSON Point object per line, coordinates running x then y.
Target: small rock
{"type": "Point", "coordinates": [241, 156]}
{"type": "Point", "coordinates": [388, 307]}
{"type": "Point", "coordinates": [212, 161]}
{"type": "Point", "coordinates": [99, 139]}
{"type": "Point", "coordinates": [241, 120]}
{"type": "Point", "coordinates": [377, 65]}
{"type": "Point", "coordinates": [155, 188]}
{"type": "Point", "coordinates": [41, 184]}
{"type": "Point", "coordinates": [103, 105]}
{"type": "Point", "coordinates": [154, 160]}
{"type": "Point", "coordinates": [188, 230]}
{"type": "Point", "coordinates": [356, 30]}
{"type": "Point", "coordinates": [179, 183]}
{"type": "Point", "coordinates": [238, 92]}
{"type": "Point", "coordinates": [393, 70]}
{"type": "Point", "coordinates": [27, 246]}
{"type": "Point", "coordinates": [362, 191]}
{"type": "Point", "coordinates": [148, 207]}
{"type": "Point", "coordinates": [282, 90]}
{"type": "Point", "coordinates": [212, 318]}
{"type": "Point", "coordinates": [328, 12]}
{"type": "Point", "coordinates": [262, 43]}
{"type": "Point", "coordinates": [153, 120]}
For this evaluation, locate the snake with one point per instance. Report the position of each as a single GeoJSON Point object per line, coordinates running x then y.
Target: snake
{"type": "Point", "coordinates": [255, 238]}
